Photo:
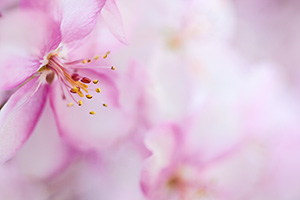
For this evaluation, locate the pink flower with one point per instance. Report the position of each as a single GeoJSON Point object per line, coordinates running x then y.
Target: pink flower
{"type": "Point", "coordinates": [38, 59]}
{"type": "Point", "coordinates": [239, 148]}
{"type": "Point", "coordinates": [175, 170]}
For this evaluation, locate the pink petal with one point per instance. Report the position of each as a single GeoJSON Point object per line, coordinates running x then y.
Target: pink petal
{"type": "Point", "coordinates": [98, 42]}
{"type": "Point", "coordinates": [84, 131]}
{"type": "Point", "coordinates": [24, 44]}
{"type": "Point", "coordinates": [15, 186]}
{"type": "Point", "coordinates": [77, 17]}
{"type": "Point", "coordinates": [19, 117]}
{"type": "Point", "coordinates": [112, 17]}
{"type": "Point", "coordinates": [99, 178]}
{"type": "Point", "coordinates": [164, 143]}
{"type": "Point", "coordinates": [15, 70]}
{"type": "Point", "coordinates": [53, 156]}
{"type": "Point", "coordinates": [30, 39]}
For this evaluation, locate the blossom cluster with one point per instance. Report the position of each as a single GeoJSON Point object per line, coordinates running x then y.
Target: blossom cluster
{"type": "Point", "coordinates": [149, 100]}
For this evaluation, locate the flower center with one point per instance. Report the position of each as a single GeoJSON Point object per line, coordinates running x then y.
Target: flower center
{"type": "Point", "coordinates": [72, 83]}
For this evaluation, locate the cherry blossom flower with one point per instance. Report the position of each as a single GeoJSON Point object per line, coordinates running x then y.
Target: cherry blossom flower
{"type": "Point", "coordinates": [206, 156]}
{"type": "Point", "coordinates": [38, 64]}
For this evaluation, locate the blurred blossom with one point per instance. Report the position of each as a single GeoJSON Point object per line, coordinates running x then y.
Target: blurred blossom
{"type": "Point", "coordinates": [268, 30]}
{"type": "Point", "coordinates": [189, 100]}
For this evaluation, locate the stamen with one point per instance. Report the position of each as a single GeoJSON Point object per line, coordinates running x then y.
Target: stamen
{"type": "Point", "coordinates": [71, 80]}
{"type": "Point", "coordinates": [74, 89]}
{"type": "Point", "coordinates": [85, 80]}
{"type": "Point", "coordinates": [105, 56]}
{"type": "Point", "coordinates": [89, 96]}
{"type": "Point", "coordinates": [80, 93]}
{"type": "Point", "coordinates": [75, 77]}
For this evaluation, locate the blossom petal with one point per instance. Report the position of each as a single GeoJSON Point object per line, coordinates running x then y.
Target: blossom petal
{"type": "Point", "coordinates": [15, 186]}
{"type": "Point", "coordinates": [99, 177]}
{"type": "Point", "coordinates": [19, 117]}
{"type": "Point", "coordinates": [112, 17]}
{"type": "Point", "coordinates": [163, 142]}
{"type": "Point", "coordinates": [21, 48]}
{"type": "Point", "coordinates": [77, 17]}
{"type": "Point", "coordinates": [74, 27]}
{"type": "Point", "coordinates": [16, 70]}
{"type": "Point", "coordinates": [53, 156]}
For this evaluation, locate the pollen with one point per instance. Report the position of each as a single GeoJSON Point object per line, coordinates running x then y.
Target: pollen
{"type": "Point", "coordinates": [74, 90]}
{"type": "Point", "coordinates": [70, 104]}
{"type": "Point", "coordinates": [84, 61]}
{"type": "Point", "coordinates": [113, 68]}
{"type": "Point", "coordinates": [80, 103]}
{"type": "Point", "coordinates": [98, 90]}
{"type": "Point", "coordinates": [89, 60]}
{"type": "Point", "coordinates": [95, 81]}
{"type": "Point", "coordinates": [89, 96]}
{"type": "Point", "coordinates": [85, 80]}
{"type": "Point", "coordinates": [96, 57]}
{"type": "Point", "coordinates": [75, 77]}
{"type": "Point", "coordinates": [105, 105]}
{"type": "Point", "coordinates": [105, 56]}
{"type": "Point", "coordinates": [92, 112]}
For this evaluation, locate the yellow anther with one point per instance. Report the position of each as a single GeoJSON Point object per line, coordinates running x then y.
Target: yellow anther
{"type": "Point", "coordinates": [105, 105]}
{"type": "Point", "coordinates": [92, 112]}
{"type": "Point", "coordinates": [75, 89]}
{"type": "Point", "coordinates": [105, 56]}
{"type": "Point", "coordinates": [95, 81]}
{"type": "Point", "coordinates": [80, 103]}
{"type": "Point", "coordinates": [113, 68]}
{"type": "Point", "coordinates": [98, 90]}
{"type": "Point", "coordinates": [89, 96]}
{"type": "Point", "coordinates": [96, 57]}
{"type": "Point", "coordinates": [84, 61]}
{"type": "Point", "coordinates": [70, 104]}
